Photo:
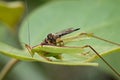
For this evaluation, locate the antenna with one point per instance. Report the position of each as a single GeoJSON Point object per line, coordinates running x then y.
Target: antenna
{"type": "Point", "coordinates": [28, 26]}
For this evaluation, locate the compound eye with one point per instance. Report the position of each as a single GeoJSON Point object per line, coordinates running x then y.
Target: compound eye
{"type": "Point", "coordinates": [50, 36]}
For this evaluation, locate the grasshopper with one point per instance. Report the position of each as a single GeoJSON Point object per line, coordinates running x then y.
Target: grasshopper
{"type": "Point", "coordinates": [54, 46]}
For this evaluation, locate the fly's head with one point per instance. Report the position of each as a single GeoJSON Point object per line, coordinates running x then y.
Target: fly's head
{"type": "Point", "coordinates": [51, 39]}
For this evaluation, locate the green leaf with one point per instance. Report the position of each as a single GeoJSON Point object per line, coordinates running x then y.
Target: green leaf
{"type": "Point", "coordinates": [98, 17]}
{"type": "Point", "coordinates": [23, 55]}
{"type": "Point", "coordinates": [11, 13]}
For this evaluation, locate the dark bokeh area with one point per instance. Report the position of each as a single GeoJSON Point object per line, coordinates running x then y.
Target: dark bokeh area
{"type": "Point", "coordinates": [76, 73]}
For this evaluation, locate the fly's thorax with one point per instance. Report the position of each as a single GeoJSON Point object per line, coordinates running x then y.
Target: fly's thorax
{"type": "Point", "coordinates": [50, 40]}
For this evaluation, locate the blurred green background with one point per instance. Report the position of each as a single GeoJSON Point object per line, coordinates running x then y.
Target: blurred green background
{"type": "Point", "coordinates": [45, 16]}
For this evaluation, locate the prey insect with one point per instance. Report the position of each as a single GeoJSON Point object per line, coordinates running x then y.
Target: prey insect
{"type": "Point", "coordinates": [54, 46]}
{"type": "Point", "coordinates": [50, 41]}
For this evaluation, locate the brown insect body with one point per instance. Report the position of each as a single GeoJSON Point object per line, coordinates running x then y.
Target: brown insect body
{"type": "Point", "coordinates": [54, 39]}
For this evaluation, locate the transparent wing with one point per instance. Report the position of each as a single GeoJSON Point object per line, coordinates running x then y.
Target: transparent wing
{"type": "Point", "coordinates": [66, 31]}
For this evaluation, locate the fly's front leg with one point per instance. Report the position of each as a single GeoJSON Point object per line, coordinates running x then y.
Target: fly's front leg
{"type": "Point", "coordinates": [59, 42]}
